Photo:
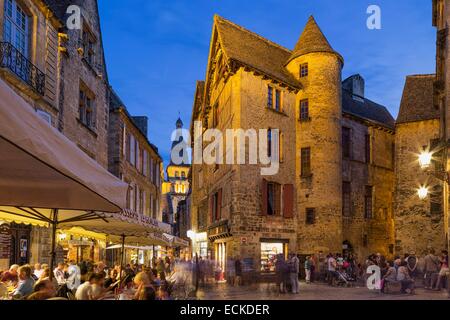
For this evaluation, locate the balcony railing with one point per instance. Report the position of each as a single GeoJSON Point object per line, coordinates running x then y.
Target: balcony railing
{"type": "Point", "coordinates": [17, 63]}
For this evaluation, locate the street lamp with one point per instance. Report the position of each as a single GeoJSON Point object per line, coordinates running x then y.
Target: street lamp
{"type": "Point", "coordinates": [423, 193]}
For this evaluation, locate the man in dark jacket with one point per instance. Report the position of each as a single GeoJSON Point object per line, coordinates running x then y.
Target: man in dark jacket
{"type": "Point", "coordinates": [238, 271]}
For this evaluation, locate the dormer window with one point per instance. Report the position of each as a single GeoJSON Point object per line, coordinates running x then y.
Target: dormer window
{"type": "Point", "coordinates": [89, 42]}
{"type": "Point", "coordinates": [304, 70]}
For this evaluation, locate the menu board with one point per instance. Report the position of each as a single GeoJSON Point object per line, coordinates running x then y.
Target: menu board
{"type": "Point", "coordinates": [5, 241]}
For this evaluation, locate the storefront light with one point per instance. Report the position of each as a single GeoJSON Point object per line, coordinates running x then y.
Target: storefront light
{"type": "Point", "coordinates": [191, 234]}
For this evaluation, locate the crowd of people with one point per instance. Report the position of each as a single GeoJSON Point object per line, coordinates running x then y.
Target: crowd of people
{"type": "Point", "coordinates": [95, 281]}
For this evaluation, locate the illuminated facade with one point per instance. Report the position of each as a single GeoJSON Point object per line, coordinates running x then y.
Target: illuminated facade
{"type": "Point", "coordinates": [333, 191]}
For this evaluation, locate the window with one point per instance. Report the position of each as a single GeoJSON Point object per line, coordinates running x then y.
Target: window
{"type": "Point", "coordinates": [278, 100]}
{"type": "Point", "coordinates": [88, 43]}
{"type": "Point", "coordinates": [274, 99]}
{"type": "Point", "coordinates": [155, 208]}
{"type": "Point", "coordinates": [269, 143]}
{"type": "Point", "coordinates": [436, 200]}
{"type": "Point", "coordinates": [310, 216]}
{"type": "Point", "coordinates": [141, 201]}
{"type": "Point", "coordinates": [304, 110]}
{"type": "Point", "coordinates": [304, 70]}
{"type": "Point", "coordinates": [145, 163]}
{"type": "Point", "coordinates": [151, 205]}
{"type": "Point", "coordinates": [273, 199]}
{"type": "Point", "coordinates": [306, 162]}
{"type": "Point", "coordinates": [368, 203]}
{"type": "Point", "coordinates": [216, 206]}
{"type": "Point", "coordinates": [346, 199]}
{"type": "Point", "coordinates": [368, 148]}
{"type": "Point", "coordinates": [15, 27]}
{"type": "Point", "coordinates": [346, 143]}
{"type": "Point", "coordinates": [183, 174]}
{"type": "Point", "coordinates": [151, 169]}
{"type": "Point", "coordinates": [86, 108]}
{"type": "Point", "coordinates": [132, 150]}
{"type": "Point", "coordinates": [132, 199]}
{"type": "Point", "coordinates": [177, 174]}
{"type": "Point", "coordinates": [215, 117]}
{"type": "Point", "coordinates": [270, 97]}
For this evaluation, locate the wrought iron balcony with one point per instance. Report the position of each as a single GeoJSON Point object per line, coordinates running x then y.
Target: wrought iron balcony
{"type": "Point", "coordinates": [17, 63]}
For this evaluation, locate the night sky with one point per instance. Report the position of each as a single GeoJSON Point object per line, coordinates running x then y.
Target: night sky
{"type": "Point", "coordinates": [156, 50]}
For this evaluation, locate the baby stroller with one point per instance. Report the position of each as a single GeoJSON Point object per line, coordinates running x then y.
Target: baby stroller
{"type": "Point", "coordinates": [344, 279]}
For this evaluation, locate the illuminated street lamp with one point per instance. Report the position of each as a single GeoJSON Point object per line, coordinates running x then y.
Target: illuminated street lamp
{"type": "Point", "coordinates": [425, 159]}
{"type": "Point", "coordinates": [423, 193]}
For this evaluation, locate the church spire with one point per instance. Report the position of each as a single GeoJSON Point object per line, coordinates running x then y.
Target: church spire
{"type": "Point", "coordinates": [312, 40]}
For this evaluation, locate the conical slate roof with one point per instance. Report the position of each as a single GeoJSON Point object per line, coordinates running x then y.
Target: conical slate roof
{"type": "Point", "coordinates": [312, 40]}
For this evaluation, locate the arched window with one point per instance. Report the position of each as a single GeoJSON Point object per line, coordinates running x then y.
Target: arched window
{"type": "Point", "coordinates": [16, 24]}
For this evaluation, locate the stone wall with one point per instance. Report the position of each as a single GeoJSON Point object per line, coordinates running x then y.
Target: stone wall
{"type": "Point", "coordinates": [416, 228]}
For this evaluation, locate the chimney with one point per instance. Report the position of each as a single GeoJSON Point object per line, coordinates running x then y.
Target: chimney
{"type": "Point", "coordinates": [355, 85]}
{"type": "Point", "coordinates": [142, 124]}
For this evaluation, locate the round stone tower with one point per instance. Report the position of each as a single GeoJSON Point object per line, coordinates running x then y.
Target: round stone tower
{"type": "Point", "coordinates": [318, 134]}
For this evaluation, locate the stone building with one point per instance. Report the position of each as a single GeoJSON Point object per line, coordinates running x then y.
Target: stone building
{"type": "Point", "coordinates": [419, 223]}
{"type": "Point", "coordinates": [441, 88]}
{"type": "Point", "coordinates": [176, 185]}
{"type": "Point", "coordinates": [333, 189]}
{"type": "Point", "coordinates": [61, 73]}
{"type": "Point", "coordinates": [134, 159]}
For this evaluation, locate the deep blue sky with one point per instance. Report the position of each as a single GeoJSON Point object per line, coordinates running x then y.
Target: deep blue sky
{"type": "Point", "coordinates": [156, 50]}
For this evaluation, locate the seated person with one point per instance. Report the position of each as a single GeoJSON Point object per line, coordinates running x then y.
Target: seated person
{"type": "Point", "coordinates": [26, 283]}
{"type": "Point", "coordinates": [43, 290]}
{"type": "Point", "coordinates": [85, 291]}
{"type": "Point", "coordinates": [390, 275]}
{"type": "Point", "coordinates": [144, 287]}
{"type": "Point", "coordinates": [11, 275]}
{"type": "Point", "coordinates": [404, 277]}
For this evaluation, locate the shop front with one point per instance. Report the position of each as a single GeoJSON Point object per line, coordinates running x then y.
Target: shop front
{"type": "Point", "coordinates": [220, 236]}
{"type": "Point", "coordinates": [271, 250]}
{"type": "Point", "coordinates": [15, 242]}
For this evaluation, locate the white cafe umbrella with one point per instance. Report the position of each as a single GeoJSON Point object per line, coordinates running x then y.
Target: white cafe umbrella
{"type": "Point", "coordinates": [46, 180]}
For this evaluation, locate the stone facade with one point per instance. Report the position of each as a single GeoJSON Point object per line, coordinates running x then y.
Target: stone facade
{"type": "Point", "coordinates": [133, 159]}
{"type": "Point", "coordinates": [235, 96]}
{"type": "Point", "coordinates": [57, 52]}
{"type": "Point", "coordinates": [418, 226]}
{"type": "Point", "coordinates": [441, 92]}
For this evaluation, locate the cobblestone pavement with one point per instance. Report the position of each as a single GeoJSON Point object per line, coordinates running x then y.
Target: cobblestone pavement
{"type": "Point", "coordinates": [310, 292]}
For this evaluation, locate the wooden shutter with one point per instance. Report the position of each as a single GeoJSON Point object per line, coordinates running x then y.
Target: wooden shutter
{"type": "Point", "coordinates": [264, 197]}
{"type": "Point", "coordinates": [278, 199]}
{"type": "Point", "coordinates": [219, 205]}
{"type": "Point", "coordinates": [211, 208]}
{"type": "Point", "coordinates": [288, 201]}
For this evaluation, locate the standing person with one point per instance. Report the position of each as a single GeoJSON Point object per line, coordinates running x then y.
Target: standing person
{"type": "Point", "coordinates": [308, 266]}
{"type": "Point", "coordinates": [231, 271]}
{"type": "Point", "coordinates": [294, 269]}
{"type": "Point", "coordinates": [444, 272]}
{"type": "Point", "coordinates": [432, 266]}
{"type": "Point", "coordinates": [238, 271]}
{"type": "Point", "coordinates": [74, 276]}
{"type": "Point", "coordinates": [280, 270]}
{"type": "Point", "coordinates": [26, 282]}
{"type": "Point", "coordinates": [201, 271]}
{"type": "Point", "coordinates": [331, 268]}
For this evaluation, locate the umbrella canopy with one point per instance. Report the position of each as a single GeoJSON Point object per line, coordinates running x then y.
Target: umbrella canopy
{"type": "Point", "coordinates": [41, 168]}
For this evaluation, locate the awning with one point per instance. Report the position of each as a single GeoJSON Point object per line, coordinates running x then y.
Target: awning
{"type": "Point", "coordinates": [46, 180]}
{"type": "Point", "coordinates": [176, 241]}
{"type": "Point", "coordinates": [118, 246]}
{"type": "Point", "coordinates": [41, 168]}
